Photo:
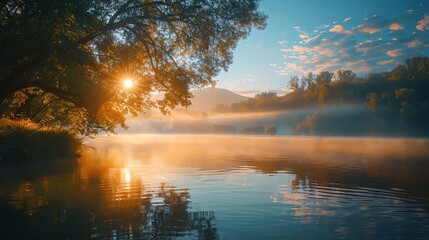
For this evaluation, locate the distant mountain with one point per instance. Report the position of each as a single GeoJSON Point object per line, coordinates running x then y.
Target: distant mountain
{"type": "Point", "coordinates": [208, 98]}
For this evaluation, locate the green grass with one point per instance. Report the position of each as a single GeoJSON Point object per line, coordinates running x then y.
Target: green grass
{"type": "Point", "coordinates": [26, 141]}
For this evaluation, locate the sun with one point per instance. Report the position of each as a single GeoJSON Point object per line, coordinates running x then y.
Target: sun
{"type": "Point", "coordinates": [128, 83]}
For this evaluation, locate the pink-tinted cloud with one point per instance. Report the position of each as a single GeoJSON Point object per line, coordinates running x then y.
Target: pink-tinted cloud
{"type": "Point", "coordinates": [376, 44]}
{"type": "Point", "coordinates": [303, 36]}
{"type": "Point", "coordinates": [323, 50]}
{"type": "Point", "coordinates": [297, 68]}
{"type": "Point", "coordinates": [339, 29]}
{"type": "Point", "coordinates": [302, 57]}
{"type": "Point", "coordinates": [395, 26]}
{"type": "Point", "coordinates": [423, 23]}
{"type": "Point", "coordinates": [298, 49]}
{"type": "Point", "coordinates": [385, 62]}
{"type": "Point", "coordinates": [368, 29]}
{"type": "Point", "coordinates": [326, 65]}
{"type": "Point", "coordinates": [414, 43]}
{"type": "Point", "coordinates": [393, 53]}
{"type": "Point", "coordinates": [364, 68]}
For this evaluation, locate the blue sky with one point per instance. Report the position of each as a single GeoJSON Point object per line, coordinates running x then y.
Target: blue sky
{"type": "Point", "coordinates": [315, 35]}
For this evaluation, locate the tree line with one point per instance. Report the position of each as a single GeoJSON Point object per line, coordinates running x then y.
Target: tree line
{"type": "Point", "coordinates": [395, 102]}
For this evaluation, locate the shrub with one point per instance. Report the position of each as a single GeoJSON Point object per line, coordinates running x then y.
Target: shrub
{"type": "Point", "coordinates": [23, 140]}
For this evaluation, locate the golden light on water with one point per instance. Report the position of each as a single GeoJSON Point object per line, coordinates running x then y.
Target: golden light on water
{"type": "Point", "coordinates": [128, 83]}
{"type": "Point", "coordinates": [127, 175]}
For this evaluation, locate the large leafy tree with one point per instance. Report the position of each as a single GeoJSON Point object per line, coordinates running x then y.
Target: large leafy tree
{"type": "Point", "coordinates": [62, 62]}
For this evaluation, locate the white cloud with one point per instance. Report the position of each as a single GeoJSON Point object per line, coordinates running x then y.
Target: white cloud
{"type": "Point", "coordinates": [281, 42]}
{"type": "Point", "coordinates": [292, 57]}
{"type": "Point", "coordinates": [422, 23]}
{"type": "Point", "coordinates": [299, 29]}
{"type": "Point", "coordinates": [283, 71]}
{"type": "Point", "coordinates": [249, 78]}
{"type": "Point", "coordinates": [364, 46]}
{"type": "Point", "coordinates": [339, 29]}
{"type": "Point", "coordinates": [253, 46]}
{"type": "Point", "coordinates": [385, 62]}
{"type": "Point", "coordinates": [347, 19]}
{"type": "Point", "coordinates": [303, 36]}
{"type": "Point", "coordinates": [310, 40]}
{"type": "Point", "coordinates": [410, 11]}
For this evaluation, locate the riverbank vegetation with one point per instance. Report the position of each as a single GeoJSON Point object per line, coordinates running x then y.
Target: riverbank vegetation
{"type": "Point", "coordinates": [24, 141]}
{"type": "Point", "coordinates": [341, 103]}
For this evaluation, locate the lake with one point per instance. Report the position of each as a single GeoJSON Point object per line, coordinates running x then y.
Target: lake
{"type": "Point", "coordinates": [223, 187]}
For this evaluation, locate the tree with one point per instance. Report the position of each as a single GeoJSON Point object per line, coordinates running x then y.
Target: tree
{"type": "Point", "coordinates": [294, 83]}
{"type": "Point", "coordinates": [345, 75]}
{"type": "Point", "coordinates": [78, 52]}
{"type": "Point", "coordinates": [372, 101]}
{"type": "Point", "coordinates": [324, 77]}
{"type": "Point", "coordinates": [310, 86]}
{"type": "Point", "coordinates": [308, 82]}
{"type": "Point", "coordinates": [266, 101]}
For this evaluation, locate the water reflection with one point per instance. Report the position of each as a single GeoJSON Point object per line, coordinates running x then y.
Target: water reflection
{"type": "Point", "coordinates": [98, 201]}
{"type": "Point", "coordinates": [164, 187]}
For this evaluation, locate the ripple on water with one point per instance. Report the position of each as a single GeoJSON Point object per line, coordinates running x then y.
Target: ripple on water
{"type": "Point", "coordinates": [198, 187]}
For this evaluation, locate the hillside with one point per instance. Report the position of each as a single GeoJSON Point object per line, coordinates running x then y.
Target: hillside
{"type": "Point", "coordinates": [208, 98]}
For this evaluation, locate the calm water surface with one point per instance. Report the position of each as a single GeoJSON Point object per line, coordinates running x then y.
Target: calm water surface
{"type": "Point", "coordinates": [223, 187]}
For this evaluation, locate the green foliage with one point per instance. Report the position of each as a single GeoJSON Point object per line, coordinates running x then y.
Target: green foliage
{"type": "Point", "coordinates": [63, 62]}
{"type": "Point", "coordinates": [23, 140]}
{"type": "Point", "coordinates": [398, 101]}
{"type": "Point", "coordinates": [338, 121]}
{"type": "Point", "coordinates": [324, 77]}
{"type": "Point", "coordinates": [345, 75]}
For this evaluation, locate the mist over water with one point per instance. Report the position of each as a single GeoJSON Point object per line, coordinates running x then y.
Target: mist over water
{"type": "Point", "coordinates": [183, 121]}
{"type": "Point", "coordinates": [139, 186]}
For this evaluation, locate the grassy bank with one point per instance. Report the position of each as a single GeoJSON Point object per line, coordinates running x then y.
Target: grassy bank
{"type": "Point", "coordinates": [25, 141]}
